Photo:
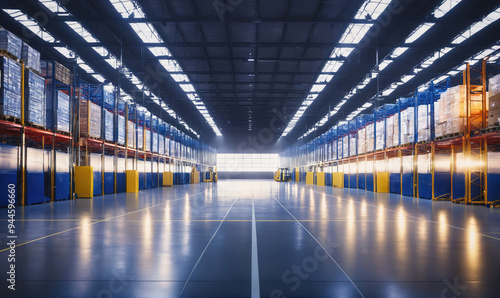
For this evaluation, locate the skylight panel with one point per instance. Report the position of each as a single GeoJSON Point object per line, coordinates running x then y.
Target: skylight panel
{"type": "Point", "coordinates": [160, 51]}
{"type": "Point", "coordinates": [99, 77]}
{"type": "Point", "coordinates": [101, 51]}
{"type": "Point", "coordinates": [354, 33]}
{"type": "Point", "coordinates": [77, 27]}
{"type": "Point", "coordinates": [180, 78]}
{"type": "Point", "coordinates": [54, 7]}
{"type": "Point", "coordinates": [398, 52]}
{"type": "Point", "coordinates": [419, 32]}
{"type": "Point", "coordinates": [440, 79]}
{"type": "Point", "coordinates": [476, 27]}
{"type": "Point", "coordinates": [65, 52]}
{"type": "Point", "coordinates": [324, 78]}
{"type": "Point", "coordinates": [187, 87]}
{"type": "Point", "coordinates": [171, 65]}
{"type": "Point", "coordinates": [445, 7]}
{"type": "Point", "coordinates": [318, 88]}
{"type": "Point", "coordinates": [128, 8]}
{"type": "Point", "coordinates": [32, 26]}
{"type": "Point", "coordinates": [113, 62]}
{"type": "Point", "coordinates": [384, 64]}
{"type": "Point", "coordinates": [84, 65]}
{"type": "Point", "coordinates": [332, 66]}
{"type": "Point", "coordinates": [387, 92]}
{"type": "Point", "coordinates": [407, 78]}
{"type": "Point", "coordinates": [146, 32]}
{"type": "Point", "coordinates": [373, 8]}
{"type": "Point", "coordinates": [341, 52]}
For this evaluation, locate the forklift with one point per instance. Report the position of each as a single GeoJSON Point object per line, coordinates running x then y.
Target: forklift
{"type": "Point", "coordinates": [283, 175]}
{"type": "Point", "coordinates": [210, 176]}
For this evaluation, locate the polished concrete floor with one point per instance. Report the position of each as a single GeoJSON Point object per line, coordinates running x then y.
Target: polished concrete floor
{"type": "Point", "coordinates": [251, 238]}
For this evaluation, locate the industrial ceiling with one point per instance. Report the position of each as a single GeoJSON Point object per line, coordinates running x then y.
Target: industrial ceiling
{"type": "Point", "coordinates": [238, 68]}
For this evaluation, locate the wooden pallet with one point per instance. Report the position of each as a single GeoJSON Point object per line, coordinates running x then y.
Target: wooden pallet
{"type": "Point", "coordinates": [31, 124]}
{"type": "Point", "coordinates": [62, 132]}
{"type": "Point", "coordinates": [34, 70]}
{"type": "Point", "coordinates": [10, 119]}
{"type": "Point", "coordinates": [8, 54]}
{"type": "Point", "coordinates": [450, 136]}
{"type": "Point", "coordinates": [490, 129]}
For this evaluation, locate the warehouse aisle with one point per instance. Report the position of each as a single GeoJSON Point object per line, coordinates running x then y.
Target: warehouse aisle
{"type": "Point", "coordinates": [240, 237]}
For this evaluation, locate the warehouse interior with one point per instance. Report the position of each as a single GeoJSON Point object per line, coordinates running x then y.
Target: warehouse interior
{"type": "Point", "coordinates": [249, 148]}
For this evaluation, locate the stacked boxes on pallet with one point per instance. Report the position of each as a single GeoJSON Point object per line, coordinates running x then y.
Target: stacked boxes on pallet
{"type": "Point", "coordinates": [363, 121]}
{"type": "Point", "coordinates": [31, 58]}
{"type": "Point", "coordinates": [407, 120]}
{"type": "Point", "coordinates": [108, 99]}
{"type": "Point", "coordinates": [90, 113]}
{"type": "Point", "coordinates": [167, 139]}
{"type": "Point", "coordinates": [161, 139]}
{"type": "Point", "coordinates": [57, 100]}
{"type": "Point", "coordinates": [370, 136]}
{"type": "Point", "coordinates": [120, 122]}
{"type": "Point", "coordinates": [34, 104]}
{"type": "Point", "coordinates": [494, 99]}
{"type": "Point", "coordinates": [59, 110]}
{"type": "Point", "coordinates": [140, 127]}
{"type": "Point", "coordinates": [147, 135]}
{"type": "Point", "coordinates": [379, 128]}
{"type": "Point", "coordinates": [154, 134]}
{"type": "Point", "coordinates": [10, 91]}
{"type": "Point", "coordinates": [343, 140]}
{"type": "Point", "coordinates": [131, 127]}
{"type": "Point", "coordinates": [10, 43]}
{"type": "Point", "coordinates": [173, 142]}
{"type": "Point", "coordinates": [353, 129]}
{"type": "Point", "coordinates": [439, 124]}
{"type": "Point", "coordinates": [423, 121]}
{"type": "Point", "coordinates": [334, 143]}
{"type": "Point", "coordinates": [58, 71]}
{"type": "Point", "coordinates": [452, 110]}
{"type": "Point", "coordinates": [392, 131]}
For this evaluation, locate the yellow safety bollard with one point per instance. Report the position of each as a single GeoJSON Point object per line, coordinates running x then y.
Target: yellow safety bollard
{"type": "Point", "coordinates": [383, 182]}
{"type": "Point", "coordinates": [320, 179]}
{"type": "Point", "coordinates": [132, 181]}
{"type": "Point", "coordinates": [338, 180]}
{"type": "Point", "coordinates": [310, 178]}
{"type": "Point", "coordinates": [84, 181]}
{"type": "Point", "coordinates": [168, 179]}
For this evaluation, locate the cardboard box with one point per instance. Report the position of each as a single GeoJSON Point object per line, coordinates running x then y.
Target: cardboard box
{"type": "Point", "coordinates": [494, 85]}
{"type": "Point", "coordinates": [494, 117]}
{"type": "Point", "coordinates": [494, 102]}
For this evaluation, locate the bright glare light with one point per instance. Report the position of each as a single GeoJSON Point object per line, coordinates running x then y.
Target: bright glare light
{"type": "Point", "coordinates": [419, 32]}
{"type": "Point", "coordinates": [476, 27]}
{"type": "Point", "coordinates": [445, 7]}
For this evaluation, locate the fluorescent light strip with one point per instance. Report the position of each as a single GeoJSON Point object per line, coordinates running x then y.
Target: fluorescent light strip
{"type": "Point", "coordinates": [32, 26]}
{"type": "Point", "coordinates": [148, 34]}
{"type": "Point", "coordinates": [419, 32]}
{"type": "Point", "coordinates": [54, 7]}
{"type": "Point", "coordinates": [445, 7]}
{"type": "Point", "coordinates": [371, 6]}
{"type": "Point", "coordinates": [476, 27]}
{"type": "Point", "coordinates": [78, 28]}
{"type": "Point", "coordinates": [353, 34]}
